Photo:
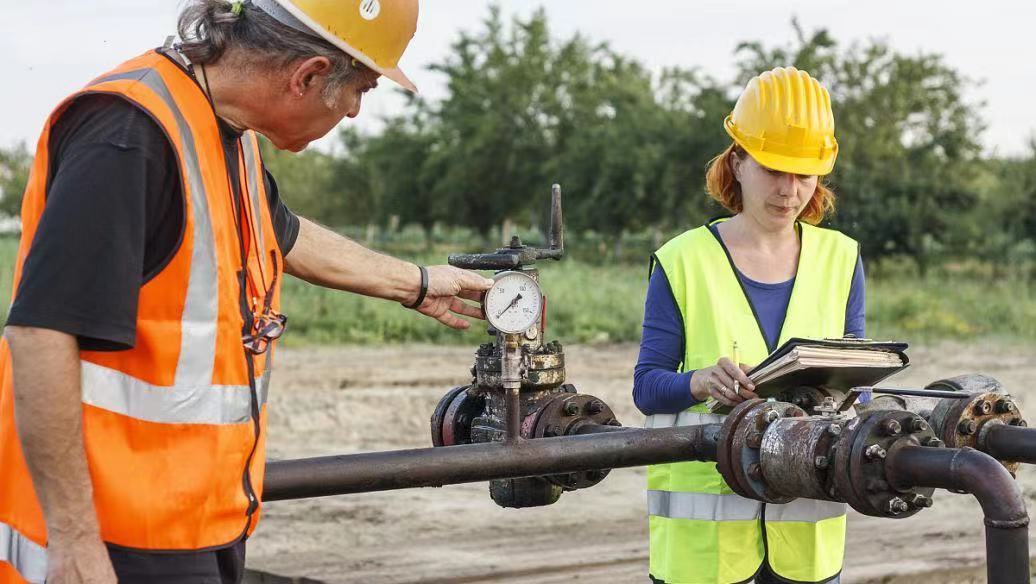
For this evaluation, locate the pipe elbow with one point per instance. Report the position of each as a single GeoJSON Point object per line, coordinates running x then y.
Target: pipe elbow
{"type": "Point", "coordinates": [993, 486]}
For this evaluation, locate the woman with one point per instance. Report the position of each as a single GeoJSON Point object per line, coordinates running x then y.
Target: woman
{"type": "Point", "coordinates": [757, 278]}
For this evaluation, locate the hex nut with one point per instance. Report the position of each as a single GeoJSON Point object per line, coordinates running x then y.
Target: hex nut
{"type": "Point", "coordinates": [967, 427]}
{"type": "Point", "coordinates": [820, 462]}
{"type": "Point", "coordinates": [834, 430]}
{"type": "Point", "coordinates": [983, 407]}
{"type": "Point", "coordinates": [571, 408]}
{"type": "Point", "coordinates": [892, 427]}
{"type": "Point", "coordinates": [1005, 406]}
{"type": "Point", "coordinates": [932, 442]}
{"type": "Point", "coordinates": [595, 407]}
{"type": "Point", "coordinates": [897, 506]}
{"type": "Point", "coordinates": [772, 416]}
{"type": "Point", "coordinates": [920, 501]}
{"type": "Point", "coordinates": [875, 451]}
{"type": "Point", "coordinates": [918, 425]}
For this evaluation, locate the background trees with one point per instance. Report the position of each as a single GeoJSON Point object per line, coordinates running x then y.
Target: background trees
{"type": "Point", "coordinates": [524, 108]}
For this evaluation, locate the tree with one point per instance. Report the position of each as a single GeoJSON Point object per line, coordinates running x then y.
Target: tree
{"type": "Point", "coordinates": [15, 164]}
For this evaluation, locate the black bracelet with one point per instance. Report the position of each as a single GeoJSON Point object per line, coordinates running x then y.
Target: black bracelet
{"type": "Point", "coordinates": [424, 289]}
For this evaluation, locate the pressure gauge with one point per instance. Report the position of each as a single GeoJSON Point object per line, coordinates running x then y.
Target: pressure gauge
{"type": "Point", "coordinates": [514, 302]}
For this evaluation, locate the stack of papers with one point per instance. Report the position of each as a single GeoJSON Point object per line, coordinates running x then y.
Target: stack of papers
{"type": "Point", "coordinates": [836, 364]}
{"type": "Point", "coordinates": [807, 356]}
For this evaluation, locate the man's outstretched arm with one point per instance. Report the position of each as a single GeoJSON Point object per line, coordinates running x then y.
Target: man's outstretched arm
{"type": "Point", "coordinates": [49, 415]}
{"type": "Point", "coordinates": [325, 258]}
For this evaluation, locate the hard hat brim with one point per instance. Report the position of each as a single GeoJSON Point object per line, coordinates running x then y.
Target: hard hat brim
{"type": "Point", "coordinates": [809, 166]}
{"type": "Point", "coordinates": [393, 73]}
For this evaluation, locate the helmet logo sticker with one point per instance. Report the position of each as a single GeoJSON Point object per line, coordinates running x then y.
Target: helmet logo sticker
{"type": "Point", "coordinates": [369, 9]}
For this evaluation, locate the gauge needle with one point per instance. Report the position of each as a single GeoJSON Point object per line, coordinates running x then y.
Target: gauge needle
{"type": "Point", "coordinates": [509, 306]}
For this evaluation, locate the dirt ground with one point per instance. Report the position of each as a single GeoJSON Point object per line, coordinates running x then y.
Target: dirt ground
{"type": "Point", "coordinates": [343, 400]}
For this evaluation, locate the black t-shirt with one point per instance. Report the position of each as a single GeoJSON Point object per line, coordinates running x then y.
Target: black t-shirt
{"type": "Point", "coordinates": [113, 218]}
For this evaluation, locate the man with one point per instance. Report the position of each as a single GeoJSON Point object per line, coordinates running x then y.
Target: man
{"type": "Point", "coordinates": [135, 361]}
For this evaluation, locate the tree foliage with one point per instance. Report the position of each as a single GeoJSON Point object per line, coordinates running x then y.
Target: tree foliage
{"type": "Point", "coordinates": [523, 109]}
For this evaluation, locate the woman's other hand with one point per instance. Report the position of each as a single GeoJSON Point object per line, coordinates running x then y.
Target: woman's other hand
{"type": "Point", "coordinates": [717, 382]}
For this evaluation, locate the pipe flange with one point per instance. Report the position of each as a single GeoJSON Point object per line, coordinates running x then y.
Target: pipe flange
{"type": "Point", "coordinates": [439, 414]}
{"type": "Point", "coordinates": [960, 422]}
{"type": "Point", "coordinates": [562, 415]}
{"type": "Point", "coordinates": [740, 440]}
{"type": "Point", "coordinates": [859, 473]}
{"type": "Point", "coordinates": [455, 421]}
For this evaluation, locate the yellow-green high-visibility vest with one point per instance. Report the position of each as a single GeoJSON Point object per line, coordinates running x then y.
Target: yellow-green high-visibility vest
{"type": "Point", "coordinates": [701, 532]}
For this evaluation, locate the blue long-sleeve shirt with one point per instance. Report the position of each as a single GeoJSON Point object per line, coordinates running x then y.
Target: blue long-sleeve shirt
{"type": "Point", "coordinates": [657, 386]}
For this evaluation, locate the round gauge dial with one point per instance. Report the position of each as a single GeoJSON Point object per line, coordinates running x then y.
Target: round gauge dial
{"type": "Point", "coordinates": [513, 304]}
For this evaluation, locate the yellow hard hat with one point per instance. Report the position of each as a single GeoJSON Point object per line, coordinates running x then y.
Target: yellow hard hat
{"type": "Point", "coordinates": [374, 32]}
{"type": "Point", "coordinates": [783, 119]}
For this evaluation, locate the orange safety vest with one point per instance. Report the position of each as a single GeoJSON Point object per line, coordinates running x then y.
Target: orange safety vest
{"type": "Point", "coordinates": [173, 428]}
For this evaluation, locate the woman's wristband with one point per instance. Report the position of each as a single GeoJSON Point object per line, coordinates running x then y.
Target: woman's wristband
{"type": "Point", "coordinates": [424, 289]}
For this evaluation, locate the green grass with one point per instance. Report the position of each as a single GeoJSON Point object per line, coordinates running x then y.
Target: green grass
{"type": "Point", "coordinates": [604, 303]}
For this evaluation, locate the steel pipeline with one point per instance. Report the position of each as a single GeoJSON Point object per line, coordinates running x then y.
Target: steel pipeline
{"type": "Point", "coordinates": [971, 471]}
{"type": "Point", "coordinates": [468, 463]}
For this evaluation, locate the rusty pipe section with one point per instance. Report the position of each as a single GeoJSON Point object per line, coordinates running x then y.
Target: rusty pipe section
{"type": "Point", "coordinates": [1008, 443]}
{"type": "Point", "coordinates": [469, 463]}
{"type": "Point", "coordinates": [971, 471]}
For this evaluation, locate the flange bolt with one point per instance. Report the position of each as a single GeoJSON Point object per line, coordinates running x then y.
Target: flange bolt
{"type": "Point", "coordinates": [967, 427]}
{"type": "Point", "coordinates": [892, 427]}
{"type": "Point", "coordinates": [820, 462]}
{"type": "Point", "coordinates": [919, 500]}
{"type": "Point", "coordinates": [755, 472]}
{"type": "Point", "coordinates": [834, 430]}
{"type": "Point", "coordinates": [918, 425]}
{"type": "Point", "coordinates": [595, 407]}
{"type": "Point", "coordinates": [1005, 406]}
{"type": "Point", "coordinates": [983, 407]}
{"type": "Point", "coordinates": [571, 408]}
{"type": "Point", "coordinates": [897, 506]}
{"type": "Point", "coordinates": [875, 451]}
{"type": "Point", "coordinates": [772, 416]}
{"type": "Point", "coordinates": [932, 442]}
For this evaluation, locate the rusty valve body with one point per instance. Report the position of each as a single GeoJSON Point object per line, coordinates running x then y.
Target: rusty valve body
{"type": "Point", "coordinates": [773, 452]}
{"type": "Point", "coordinates": [968, 422]}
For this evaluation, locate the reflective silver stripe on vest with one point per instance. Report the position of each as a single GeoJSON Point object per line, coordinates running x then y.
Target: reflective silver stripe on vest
{"type": "Point", "coordinates": [28, 557]}
{"type": "Point", "coordinates": [685, 418]}
{"type": "Point", "coordinates": [253, 173]}
{"type": "Point", "coordinates": [805, 510]}
{"type": "Point", "coordinates": [200, 313]}
{"type": "Point", "coordinates": [703, 506]}
{"type": "Point", "coordinates": [209, 404]}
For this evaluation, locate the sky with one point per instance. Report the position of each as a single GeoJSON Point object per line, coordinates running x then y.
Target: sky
{"type": "Point", "coordinates": [52, 48]}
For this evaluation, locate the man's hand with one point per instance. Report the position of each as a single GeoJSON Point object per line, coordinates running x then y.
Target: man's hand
{"type": "Point", "coordinates": [717, 382]}
{"type": "Point", "coordinates": [448, 287]}
{"type": "Point", "coordinates": [82, 561]}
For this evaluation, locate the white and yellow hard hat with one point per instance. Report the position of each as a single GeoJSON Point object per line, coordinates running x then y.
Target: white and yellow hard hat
{"type": "Point", "coordinates": [784, 120]}
{"type": "Point", "coordinates": [374, 32]}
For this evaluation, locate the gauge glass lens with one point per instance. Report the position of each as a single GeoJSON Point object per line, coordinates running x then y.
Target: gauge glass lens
{"type": "Point", "coordinates": [513, 304]}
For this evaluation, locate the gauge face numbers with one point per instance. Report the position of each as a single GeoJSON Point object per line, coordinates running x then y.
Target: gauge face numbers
{"type": "Point", "coordinates": [513, 304]}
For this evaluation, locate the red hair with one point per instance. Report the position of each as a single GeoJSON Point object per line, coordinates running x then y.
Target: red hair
{"type": "Point", "coordinates": [724, 188]}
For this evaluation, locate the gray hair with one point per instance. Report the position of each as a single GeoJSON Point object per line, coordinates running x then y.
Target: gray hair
{"type": "Point", "coordinates": [208, 28]}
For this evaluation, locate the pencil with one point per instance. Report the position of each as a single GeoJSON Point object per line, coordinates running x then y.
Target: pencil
{"type": "Point", "coordinates": [737, 365]}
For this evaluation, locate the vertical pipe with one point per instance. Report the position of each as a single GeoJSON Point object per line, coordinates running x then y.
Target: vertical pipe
{"type": "Point", "coordinates": [971, 471]}
{"type": "Point", "coordinates": [511, 380]}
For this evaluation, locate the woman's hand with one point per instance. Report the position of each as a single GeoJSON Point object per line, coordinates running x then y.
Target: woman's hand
{"type": "Point", "coordinates": [717, 382]}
